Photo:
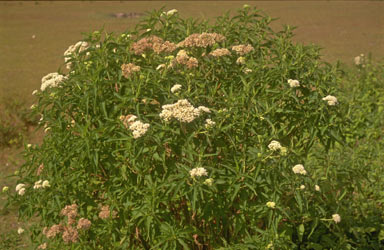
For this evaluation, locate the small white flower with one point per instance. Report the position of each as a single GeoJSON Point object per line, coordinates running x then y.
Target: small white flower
{"type": "Point", "coordinates": [293, 83]}
{"type": "Point", "coordinates": [29, 145]}
{"type": "Point", "coordinates": [208, 181]}
{"type": "Point", "coordinates": [240, 60]}
{"type": "Point", "coordinates": [21, 191]}
{"type": "Point", "coordinates": [172, 12]}
{"type": "Point", "coordinates": [148, 30]}
{"type": "Point", "coordinates": [5, 189]}
{"type": "Point", "coordinates": [198, 172]}
{"type": "Point", "coordinates": [34, 92]}
{"type": "Point", "coordinates": [204, 109]}
{"type": "Point", "coordinates": [20, 230]}
{"type": "Point", "coordinates": [38, 184]}
{"type": "Point", "coordinates": [271, 204]}
{"type": "Point", "coordinates": [246, 70]}
{"type": "Point", "coordinates": [132, 118]}
{"type": "Point", "coordinates": [317, 188]}
{"type": "Point", "coordinates": [336, 218]}
{"type": "Point", "coordinates": [302, 187]}
{"type": "Point", "coordinates": [331, 100]}
{"type": "Point", "coordinates": [209, 123]}
{"type": "Point", "coordinates": [246, 6]}
{"type": "Point", "coordinates": [299, 169]}
{"type": "Point", "coordinates": [33, 106]}
{"type": "Point", "coordinates": [160, 66]}
{"type": "Point", "coordinates": [176, 88]}
{"type": "Point", "coordinates": [47, 129]}
{"type": "Point", "coordinates": [46, 184]}
{"type": "Point", "coordinates": [19, 186]}
{"type": "Point", "coordinates": [274, 145]}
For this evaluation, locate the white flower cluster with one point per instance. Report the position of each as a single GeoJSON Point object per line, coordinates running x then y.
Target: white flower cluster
{"type": "Point", "coordinates": [274, 145]}
{"type": "Point", "coordinates": [182, 111]}
{"type": "Point", "coordinates": [160, 66]}
{"type": "Point", "coordinates": [299, 169]}
{"type": "Point", "coordinates": [198, 172]}
{"type": "Point", "coordinates": [209, 123]}
{"type": "Point", "coordinates": [176, 88]}
{"type": "Point", "coordinates": [359, 60]}
{"type": "Point", "coordinates": [240, 60]}
{"type": "Point", "coordinates": [41, 184]}
{"type": "Point", "coordinates": [51, 80]}
{"type": "Point", "coordinates": [271, 204]}
{"type": "Point", "coordinates": [20, 189]}
{"type": "Point", "coordinates": [171, 12]}
{"type": "Point", "coordinates": [332, 101]}
{"type": "Point", "coordinates": [80, 46]}
{"type": "Point", "coordinates": [293, 83]}
{"type": "Point", "coordinates": [246, 70]}
{"type": "Point", "coordinates": [138, 128]}
{"type": "Point", "coordinates": [336, 218]}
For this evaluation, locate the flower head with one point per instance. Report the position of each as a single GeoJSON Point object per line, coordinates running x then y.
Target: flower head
{"type": "Point", "coordinates": [293, 83]}
{"type": "Point", "coordinates": [336, 218]}
{"type": "Point", "coordinates": [5, 189]}
{"type": "Point", "coordinates": [274, 145]}
{"type": "Point", "coordinates": [242, 49]}
{"type": "Point", "coordinates": [240, 60]}
{"type": "Point", "coordinates": [51, 80]}
{"type": "Point", "coordinates": [21, 191]}
{"type": "Point", "coordinates": [175, 88]}
{"type": "Point", "coordinates": [38, 184]}
{"type": "Point", "coordinates": [198, 172]}
{"type": "Point", "coordinates": [302, 187]}
{"type": "Point", "coordinates": [331, 100]}
{"type": "Point", "coordinates": [317, 188]}
{"type": "Point", "coordinates": [172, 12]}
{"type": "Point", "coordinates": [208, 181]}
{"type": "Point", "coordinates": [19, 187]}
{"type": "Point", "coordinates": [299, 169]}
{"type": "Point", "coordinates": [271, 204]}
{"type": "Point", "coordinates": [209, 123]}
{"type": "Point", "coordinates": [20, 230]}
{"type": "Point", "coordinates": [45, 184]}
{"type": "Point", "coordinates": [138, 128]}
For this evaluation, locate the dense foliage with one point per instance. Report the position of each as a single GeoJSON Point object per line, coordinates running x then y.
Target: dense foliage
{"type": "Point", "coordinates": [185, 135]}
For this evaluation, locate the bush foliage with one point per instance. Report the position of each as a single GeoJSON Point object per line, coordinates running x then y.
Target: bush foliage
{"type": "Point", "coordinates": [184, 135]}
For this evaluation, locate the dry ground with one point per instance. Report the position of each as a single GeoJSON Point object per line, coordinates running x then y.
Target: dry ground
{"type": "Point", "coordinates": [343, 28]}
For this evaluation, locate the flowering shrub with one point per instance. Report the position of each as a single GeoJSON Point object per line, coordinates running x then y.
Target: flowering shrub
{"type": "Point", "coordinates": [181, 134]}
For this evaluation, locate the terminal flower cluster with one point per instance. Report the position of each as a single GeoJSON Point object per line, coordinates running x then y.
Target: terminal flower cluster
{"type": "Point", "coordinates": [198, 172]}
{"type": "Point", "coordinates": [78, 47]}
{"type": "Point", "coordinates": [154, 43]}
{"type": "Point", "coordinates": [51, 80]}
{"type": "Point", "coordinates": [41, 184]}
{"type": "Point", "coordinates": [137, 127]}
{"type": "Point", "coordinates": [220, 52]}
{"type": "Point", "coordinates": [129, 69]}
{"type": "Point", "coordinates": [183, 58]}
{"type": "Point", "coordinates": [182, 111]}
{"type": "Point", "coordinates": [332, 101]}
{"type": "Point", "coordinates": [293, 83]}
{"type": "Point", "coordinates": [201, 40]}
{"type": "Point", "coordinates": [299, 169]}
{"type": "Point", "coordinates": [242, 49]}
